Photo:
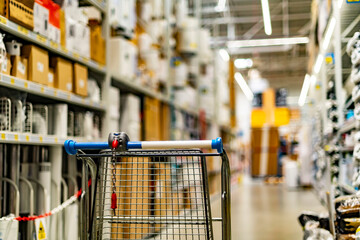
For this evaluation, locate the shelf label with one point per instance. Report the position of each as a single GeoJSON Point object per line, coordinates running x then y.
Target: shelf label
{"type": "Point", "coordinates": [64, 49]}
{"type": "Point", "coordinates": [56, 140]}
{"type": "Point", "coordinates": [27, 138]}
{"type": "Point", "coordinates": [69, 96]}
{"type": "Point", "coordinates": [3, 20]}
{"type": "Point", "coordinates": [41, 38]}
{"type": "Point", "coordinates": [26, 85]}
{"type": "Point", "coordinates": [85, 59]}
{"type": "Point", "coordinates": [42, 90]}
{"type": "Point", "coordinates": [54, 45]}
{"type": "Point", "coordinates": [40, 139]}
{"type": "Point", "coordinates": [23, 30]}
{"type": "Point", "coordinates": [55, 93]}
{"type": "Point", "coordinates": [16, 137]}
{"type": "Point", "coordinates": [76, 55]}
{"type": "Point", "coordinates": [3, 136]}
{"type": "Point", "coordinates": [12, 81]}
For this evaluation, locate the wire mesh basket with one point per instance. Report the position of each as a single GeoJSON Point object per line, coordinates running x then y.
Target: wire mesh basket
{"type": "Point", "coordinates": [28, 117]}
{"type": "Point", "coordinates": [40, 119]}
{"type": "Point", "coordinates": [17, 116]}
{"type": "Point", "coordinates": [5, 114]}
{"type": "Point", "coordinates": [150, 194]}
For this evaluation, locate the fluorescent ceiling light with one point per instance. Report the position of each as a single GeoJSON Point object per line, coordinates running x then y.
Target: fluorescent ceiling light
{"type": "Point", "coordinates": [266, 16]}
{"type": "Point", "coordinates": [329, 33]}
{"type": "Point", "coordinates": [340, 3]}
{"type": "Point", "coordinates": [318, 63]}
{"type": "Point", "coordinates": [244, 87]}
{"type": "Point", "coordinates": [242, 63]}
{"type": "Point", "coordinates": [224, 55]}
{"type": "Point", "coordinates": [220, 7]}
{"type": "Point", "coordinates": [304, 90]}
{"type": "Point", "coordinates": [267, 42]}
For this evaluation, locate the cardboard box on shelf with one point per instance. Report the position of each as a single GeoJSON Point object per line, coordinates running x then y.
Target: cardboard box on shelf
{"type": "Point", "coordinates": [19, 67]}
{"type": "Point", "coordinates": [38, 63]}
{"type": "Point", "coordinates": [41, 17]}
{"type": "Point", "coordinates": [165, 122]}
{"type": "Point", "coordinates": [51, 77]}
{"type": "Point", "coordinates": [63, 73]}
{"type": "Point", "coordinates": [97, 44]}
{"type": "Point", "coordinates": [6, 66]}
{"type": "Point", "coordinates": [80, 79]}
{"type": "Point", "coordinates": [152, 120]}
{"type": "Point", "coordinates": [19, 11]}
{"type": "Point", "coordinates": [62, 29]}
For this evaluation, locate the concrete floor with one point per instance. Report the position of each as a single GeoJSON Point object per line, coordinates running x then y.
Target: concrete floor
{"type": "Point", "coordinates": [266, 212]}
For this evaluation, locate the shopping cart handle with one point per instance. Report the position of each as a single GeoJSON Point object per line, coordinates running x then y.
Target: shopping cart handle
{"type": "Point", "coordinates": [71, 146]}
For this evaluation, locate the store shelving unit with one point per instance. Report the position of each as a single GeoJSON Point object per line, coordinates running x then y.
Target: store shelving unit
{"type": "Point", "coordinates": [27, 35]}
{"type": "Point", "coordinates": [346, 17]}
{"type": "Point", "coordinates": [33, 139]}
{"type": "Point", "coordinates": [48, 92]}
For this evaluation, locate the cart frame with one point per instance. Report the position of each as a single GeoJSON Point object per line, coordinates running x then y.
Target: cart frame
{"type": "Point", "coordinates": [93, 165]}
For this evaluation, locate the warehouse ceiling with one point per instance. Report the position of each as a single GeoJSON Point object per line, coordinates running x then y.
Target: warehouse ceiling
{"type": "Point", "coordinates": [283, 66]}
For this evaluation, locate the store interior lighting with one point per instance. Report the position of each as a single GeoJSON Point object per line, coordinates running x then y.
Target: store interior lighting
{"type": "Point", "coordinates": [243, 63]}
{"type": "Point", "coordinates": [340, 2]}
{"type": "Point", "coordinates": [266, 16]}
{"type": "Point", "coordinates": [224, 55]}
{"type": "Point", "coordinates": [220, 7]}
{"type": "Point", "coordinates": [318, 63]}
{"type": "Point", "coordinates": [267, 42]}
{"type": "Point", "coordinates": [304, 90]}
{"type": "Point", "coordinates": [244, 87]}
{"type": "Point", "coordinates": [329, 33]}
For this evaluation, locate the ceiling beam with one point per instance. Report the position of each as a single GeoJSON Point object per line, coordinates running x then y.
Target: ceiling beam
{"type": "Point", "coordinates": [259, 25]}
{"type": "Point", "coordinates": [252, 19]}
{"type": "Point", "coordinates": [250, 7]}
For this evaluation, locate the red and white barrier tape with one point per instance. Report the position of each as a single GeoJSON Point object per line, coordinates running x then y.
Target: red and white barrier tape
{"type": "Point", "coordinates": [56, 210]}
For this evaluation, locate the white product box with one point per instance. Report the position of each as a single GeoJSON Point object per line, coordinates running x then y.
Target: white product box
{"type": "Point", "coordinates": [179, 73]}
{"type": "Point", "coordinates": [71, 8]}
{"type": "Point", "coordinates": [83, 39]}
{"type": "Point", "coordinates": [123, 57]}
{"type": "Point", "coordinates": [205, 53]}
{"type": "Point", "coordinates": [114, 103]}
{"type": "Point", "coordinates": [163, 71]}
{"type": "Point", "coordinates": [188, 36]}
{"type": "Point", "coordinates": [130, 109]}
{"type": "Point", "coordinates": [122, 14]}
{"type": "Point", "coordinates": [54, 34]}
{"type": "Point", "coordinates": [41, 20]}
{"type": "Point", "coordinates": [157, 8]}
{"type": "Point", "coordinates": [145, 41]}
{"type": "Point", "coordinates": [70, 31]}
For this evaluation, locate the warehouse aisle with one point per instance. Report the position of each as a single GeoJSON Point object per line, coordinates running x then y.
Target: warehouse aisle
{"type": "Point", "coordinates": [267, 212]}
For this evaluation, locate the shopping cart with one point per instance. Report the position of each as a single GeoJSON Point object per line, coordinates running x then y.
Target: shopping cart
{"type": "Point", "coordinates": [149, 190]}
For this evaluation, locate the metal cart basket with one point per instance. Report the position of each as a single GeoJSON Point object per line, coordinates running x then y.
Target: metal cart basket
{"type": "Point", "coordinates": [150, 190]}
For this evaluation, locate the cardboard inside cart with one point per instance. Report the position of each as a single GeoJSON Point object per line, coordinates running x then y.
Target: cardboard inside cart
{"type": "Point", "coordinates": [38, 63]}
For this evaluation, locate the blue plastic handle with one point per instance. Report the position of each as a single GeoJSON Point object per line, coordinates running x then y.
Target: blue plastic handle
{"type": "Point", "coordinates": [71, 146]}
